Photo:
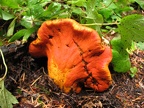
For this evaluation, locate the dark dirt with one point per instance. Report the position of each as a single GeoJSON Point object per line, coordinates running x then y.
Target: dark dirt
{"type": "Point", "coordinates": [27, 79]}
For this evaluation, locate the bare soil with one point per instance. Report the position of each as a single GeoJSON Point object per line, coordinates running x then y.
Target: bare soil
{"type": "Point", "coordinates": [28, 80]}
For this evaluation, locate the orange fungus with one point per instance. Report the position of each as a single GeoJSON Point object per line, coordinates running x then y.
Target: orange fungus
{"type": "Point", "coordinates": [75, 54]}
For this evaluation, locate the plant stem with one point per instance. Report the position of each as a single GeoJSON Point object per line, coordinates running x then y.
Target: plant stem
{"type": "Point", "coordinates": [4, 65]}
{"type": "Point", "coordinates": [100, 24]}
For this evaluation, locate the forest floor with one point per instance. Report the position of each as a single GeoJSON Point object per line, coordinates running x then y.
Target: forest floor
{"type": "Point", "coordinates": [28, 81]}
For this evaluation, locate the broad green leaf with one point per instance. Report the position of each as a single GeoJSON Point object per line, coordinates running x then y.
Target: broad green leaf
{"type": "Point", "coordinates": [6, 98]}
{"type": "Point", "coordinates": [5, 15]}
{"type": "Point", "coordinates": [141, 3]}
{"type": "Point", "coordinates": [131, 29]}
{"type": "Point", "coordinates": [11, 28]}
{"type": "Point", "coordinates": [9, 3]}
{"type": "Point", "coordinates": [121, 61]}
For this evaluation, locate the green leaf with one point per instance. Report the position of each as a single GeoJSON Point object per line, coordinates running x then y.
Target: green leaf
{"type": "Point", "coordinates": [133, 71]}
{"type": "Point", "coordinates": [131, 29]}
{"type": "Point", "coordinates": [109, 4]}
{"type": "Point", "coordinates": [28, 33]}
{"type": "Point", "coordinates": [32, 2]}
{"type": "Point", "coordinates": [77, 2]}
{"type": "Point", "coordinates": [106, 12]}
{"type": "Point", "coordinates": [44, 2]}
{"type": "Point", "coordinates": [17, 35]}
{"type": "Point", "coordinates": [10, 3]}
{"type": "Point", "coordinates": [5, 15]}
{"type": "Point", "coordinates": [11, 28]}
{"type": "Point", "coordinates": [25, 33]}
{"type": "Point", "coordinates": [6, 98]}
{"type": "Point", "coordinates": [121, 61]}
{"type": "Point", "coordinates": [112, 10]}
{"type": "Point", "coordinates": [141, 3]}
{"type": "Point", "coordinates": [35, 11]}
{"type": "Point", "coordinates": [92, 16]}
{"type": "Point", "coordinates": [27, 21]}
{"type": "Point", "coordinates": [77, 10]}
{"type": "Point", "coordinates": [124, 3]}
{"type": "Point", "coordinates": [52, 10]}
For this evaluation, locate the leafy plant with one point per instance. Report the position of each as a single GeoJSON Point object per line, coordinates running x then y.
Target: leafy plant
{"type": "Point", "coordinates": [86, 12]}
{"type": "Point", "coordinates": [6, 98]}
{"type": "Point", "coordinates": [22, 18]}
{"type": "Point", "coordinates": [131, 30]}
{"type": "Point", "coordinates": [28, 16]}
{"type": "Point", "coordinates": [105, 12]}
{"type": "Point", "coordinates": [112, 10]}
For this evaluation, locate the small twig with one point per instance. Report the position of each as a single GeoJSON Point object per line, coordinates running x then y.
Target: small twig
{"type": "Point", "coordinates": [3, 59]}
{"type": "Point", "coordinates": [141, 84]}
{"type": "Point", "coordinates": [36, 80]}
{"type": "Point", "coordinates": [138, 98]}
{"type": "Point", "coordinates": [13, 79]}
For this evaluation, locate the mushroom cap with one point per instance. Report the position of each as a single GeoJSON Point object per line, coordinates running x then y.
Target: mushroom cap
{"type": "Point", "coordinates": [75, 54]}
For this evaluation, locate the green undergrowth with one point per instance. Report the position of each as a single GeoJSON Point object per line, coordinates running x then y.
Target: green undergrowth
{"type": "Point", "coordinates": [6, 98]}
{"type": "Point", "coordinates": [20, 19]}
